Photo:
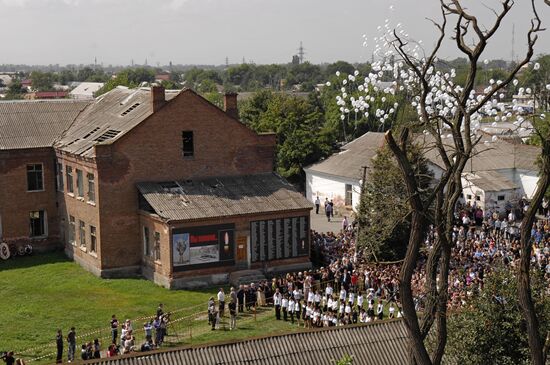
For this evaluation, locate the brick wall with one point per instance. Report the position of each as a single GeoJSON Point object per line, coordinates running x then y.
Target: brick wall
{"type": "Point", "coordinates": [16, 202]}
{"type": "Point", "coordinates": [152, 151]}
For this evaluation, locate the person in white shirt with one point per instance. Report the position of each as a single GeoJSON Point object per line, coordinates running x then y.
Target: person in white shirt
{"type": "Point", "coordinates": [291, 309]}
{"type": "Point", "coordinates": [342, 309]}
{"type": "Point", "coordinates": [363, 316]}
{"type": "Point", "coordinates": [298, 310]}
{"type": "Point", "coordinates": [317, 298]}
{"type": "Point", "coordinates": [392, 311]}
{"type": "Point", "coordinates": [329, 303]}
{"type": "Point", "coordinates": [351, 298]}
{"type": "Point", "coordinates": [221, 301]}
{"type": "Point", "coordinates": [380, 310]}
{"type": "Point", "coordinates": [310, 296]}
{"type": "Point", "coordinates": [360, 299]}
{"type": "Point", "coordinates": [284, 305]}
{"type": "Point", "coordinates": [334, 304]}
{"type": "Point", "coordinates": [328, 290]}
{"type": "Point", "coordinates": [348, 308]}
{"type": "Point", "coordinates": [277, 300]}
{"type": "Point", "coordinates": [343, 294]}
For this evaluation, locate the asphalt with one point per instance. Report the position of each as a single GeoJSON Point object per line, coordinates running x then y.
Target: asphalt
{"type": "Point", "coordinates": [320, 223]}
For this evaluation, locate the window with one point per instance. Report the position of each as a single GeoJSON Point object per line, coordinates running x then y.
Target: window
{"type": "Point", "coordinates": [157, 246]}
{"type": "Point", "coordinates": [82, 233]}
{"type": "Point", "coordinates": [38, 223]}
{"type": "Point", "coordinates": [35, 177]}
{"type": "Point", "coordinates": [187, 138]}
{"type": "Point", "coordinates": [59, 177]}
{"type": "Point", "coordinates": [349, 195]}
{"type": "Point", "coordinates": [80, 183]}
{"type": "Point", "coordinates": [91, 188]}
{"type": "Point", "coordinates": [69, 173]}
{"type": "Point", "coordinates": [469, 197]}
{"type": "Point", "coordinates": [500, 198]}
{"type": "Point", "coordinates": [72, 230]}
{"type": "Point", "coordinates": [146, 242]}
{"type": "Point", "coordinates": [478, 197]}
{"type": "Point", "coordinates": [93, 239]}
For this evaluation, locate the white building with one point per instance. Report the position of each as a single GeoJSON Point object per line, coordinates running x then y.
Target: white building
{"type": "Point", "coordinates": [500, 172]}
{"type": "Point", "coordinates": [85, 90]}
{"type": "Point", "coordinates": [338, 177]}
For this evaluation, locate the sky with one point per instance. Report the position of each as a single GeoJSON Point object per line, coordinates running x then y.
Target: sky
{"type": "Point", "coordinates": [207, 31]}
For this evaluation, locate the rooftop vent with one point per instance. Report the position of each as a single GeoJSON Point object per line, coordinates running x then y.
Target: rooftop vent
{"type": "Point", "coordinates": [111, 133]}
{"type": "Point", "coordinates": [91, 132]}
{"type": "Point", "coordinates": [129, 109]}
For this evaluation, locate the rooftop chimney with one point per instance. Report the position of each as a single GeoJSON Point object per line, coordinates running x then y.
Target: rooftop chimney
{"type": "Point", "coordinates": [157, 97]}
{"type": "Point", "coordinates": [230, 105]}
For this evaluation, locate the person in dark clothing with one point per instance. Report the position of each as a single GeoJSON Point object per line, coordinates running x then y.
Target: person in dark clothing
{"type": "Point", "coordinates": [59, 344]}
{"type": "Point", "coordinates": [160, 310]}
{"type": "Point", "coordinates": [240, 298]}
{"type": "Point", "coordinates": [71, 339]}
{"type": "Point", "coordinates": [8, 358]}
{"type": "Point", "coordinates": [114, 329]}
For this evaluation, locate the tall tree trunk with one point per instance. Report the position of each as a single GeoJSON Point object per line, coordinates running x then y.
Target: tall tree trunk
{"type": "Point", "coordinates": [536, 343]}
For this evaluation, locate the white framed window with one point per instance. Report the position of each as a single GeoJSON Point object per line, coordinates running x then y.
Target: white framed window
{"type": "Point", "coordinates": [72, 230]}
{"type": "Point", "coordinates": [91, 188]}
{"type": "Point", "coordinates": [80, 183]}
{"type": "Point", "coordinates": [93, 239]}
{"type": "Point", "coordinates": [38, 223]}
{"type": "Point", "coordinates": [82, 233]}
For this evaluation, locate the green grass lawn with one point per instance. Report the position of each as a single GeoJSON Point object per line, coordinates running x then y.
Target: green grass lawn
{"type": "Point", "coordinates": [44, 292]}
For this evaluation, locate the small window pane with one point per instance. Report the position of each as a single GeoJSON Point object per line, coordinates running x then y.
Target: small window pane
{"type": "Point", "coordinates": [82, 233]}
{"type": "Point", "coordinates": [72, 230]}
{"type": "Point", "coordinates": [93, 239]}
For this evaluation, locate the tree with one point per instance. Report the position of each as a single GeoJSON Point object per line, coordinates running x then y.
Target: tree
{"type": "Point", "coordinates": [383, 211]}
{"type": "Point", "coordinates": [15, 90]}
{"type": "Point", "coordinates": [449, 115]}
{"type": "Point", "coordinates": [491, 329]}
{"type": "Point", "coordinates": [42, 81]}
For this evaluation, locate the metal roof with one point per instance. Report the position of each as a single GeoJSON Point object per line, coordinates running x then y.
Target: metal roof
{"type": "Point", "coordinates": [222, 196]}
{"type": "Point", "coordinates": [489, 154]}
{"type": "Point", "coordinates": [376, 343]}
{"type": "Point", "coordinates": [354, 155]}
{"type": "Point", "coordinates": [490, 181]}
{"type": "Point", "coordinates": [107, 118]}
{"type": "Point", "coordinates": [37, 123]}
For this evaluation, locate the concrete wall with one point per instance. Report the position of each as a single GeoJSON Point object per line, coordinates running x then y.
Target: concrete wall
{"type": "Point", "coordinates": [331, 187]}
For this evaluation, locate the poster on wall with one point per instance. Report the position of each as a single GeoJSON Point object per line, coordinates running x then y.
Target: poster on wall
{"type": "Point", "coordinates": [279, 238]}
{"type": "Point", "coordinates": [202, 246]}
{"type": "Point", "coordinates": [181, 249]}
{"type": "Point", "coordinates": [205, 254]}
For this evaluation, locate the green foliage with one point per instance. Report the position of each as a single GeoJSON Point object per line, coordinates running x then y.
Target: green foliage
{"type": "Point", "coordinates": [131, 78]}
{"type": "Point", "coordinates": [342, 66]}
{"type": "Point", "coordinates": [298, 124]}
{"type": "Point", "coordinates": [15, 90]}
{"type": "Point", "coordinates": [383, 208]}
{"type": "Point", "coordinates": [42, 81]}
{"type": "Point", "coordinates": [491, 330]}
{"type": "Point", "coordinates": [345, 360]}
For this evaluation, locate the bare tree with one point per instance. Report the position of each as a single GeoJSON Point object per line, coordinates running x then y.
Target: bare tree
{"type": "Point", "coordinates": [459, 118]}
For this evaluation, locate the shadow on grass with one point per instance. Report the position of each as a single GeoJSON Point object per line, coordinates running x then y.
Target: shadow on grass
{"type": "Point", "coordinates": [23, 262]}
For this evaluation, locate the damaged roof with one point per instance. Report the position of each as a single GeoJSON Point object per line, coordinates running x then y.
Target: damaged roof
{"type": "Point", "coordinates": [36, 123]}
{"type": "Point", "coordinates": [220, 197]}
{"type": "Point", "coordinates": [107, 118]}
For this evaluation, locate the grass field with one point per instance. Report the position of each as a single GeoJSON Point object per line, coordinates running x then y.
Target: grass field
{"type": "Point", "coordinates": [44, 292]}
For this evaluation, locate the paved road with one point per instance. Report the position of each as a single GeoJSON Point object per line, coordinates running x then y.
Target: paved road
{"type": "Point", "coordinates": [320, 224]}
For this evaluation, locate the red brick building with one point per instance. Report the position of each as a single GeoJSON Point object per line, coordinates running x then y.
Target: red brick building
{"type": "Point", "coordinates": [143, 181]}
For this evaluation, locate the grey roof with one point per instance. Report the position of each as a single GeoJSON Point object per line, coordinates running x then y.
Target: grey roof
{"type": "Point", "coordinates": [490, 181]}
{"type": "Point", "coordinates": [108, 118]}
{"type": "Point", "coordinates": [37, 123]}
{"type": "Point", "coordinates": [222, 196]}
{"type": "Point", "coordinates": [488, 154]}
{"type": "Point", "coordinates": [377, 343]}
{"type": "Point", "coordinates": [349, 161]}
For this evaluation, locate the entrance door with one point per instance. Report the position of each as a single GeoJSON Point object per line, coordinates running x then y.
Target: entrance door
{"type": "Point", "coordinates": [241, 248]}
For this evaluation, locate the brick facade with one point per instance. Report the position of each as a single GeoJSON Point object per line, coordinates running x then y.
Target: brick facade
{"type": "Point", "coordinates": [150, 151]}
